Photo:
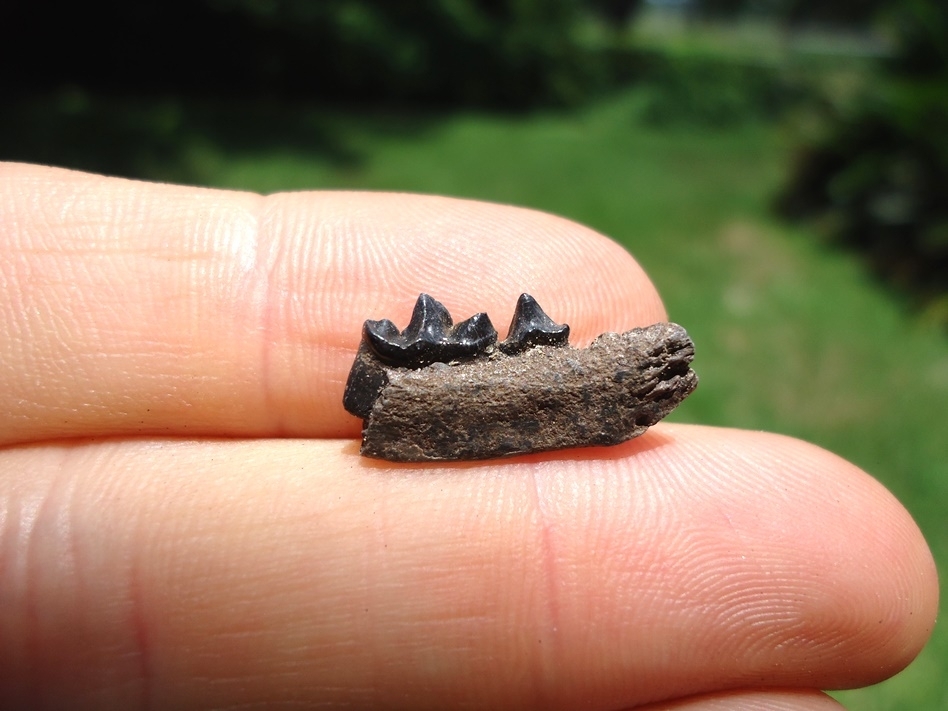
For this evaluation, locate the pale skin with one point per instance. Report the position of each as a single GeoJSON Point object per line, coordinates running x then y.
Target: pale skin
{"type": "Point", "coordinates": [185, 521]}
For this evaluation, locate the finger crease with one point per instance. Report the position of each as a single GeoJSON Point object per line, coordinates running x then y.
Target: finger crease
{"type": "Point", "coordinates": [263, 294]}
{"type": "Point", "coordinates": [547, 626]}
{"type": "Point", "coordinates": [140, 635]}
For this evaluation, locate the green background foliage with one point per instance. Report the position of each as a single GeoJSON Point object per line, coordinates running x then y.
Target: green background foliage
{"type": "Point", "coordinates": [877, 179]}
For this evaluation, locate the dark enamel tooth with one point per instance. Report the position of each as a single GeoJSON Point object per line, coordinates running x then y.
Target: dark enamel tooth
{"type": "Point", "coordinates": [475, 335]}
{"type": "Point", "coordinates": [384, 339]}
{"type": "Point", "coordinates": [421, 342]}
{"type": "Point", "coordinates": [429, 337]}
{"type": "Point", "coordinates": [532, 327]}
{"type": "Point", "coordinates": [430, 321]}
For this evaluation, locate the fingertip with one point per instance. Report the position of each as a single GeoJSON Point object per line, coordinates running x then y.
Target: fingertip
{"type": "Point", "coordinates": [856, 567]}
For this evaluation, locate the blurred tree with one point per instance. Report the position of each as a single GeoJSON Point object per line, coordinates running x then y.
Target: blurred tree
{"type": "Point", "coordinates": [618, 13]}
{"type": "Point", "coordinates": [723, 8]}
{"type": "Point", "coordinates": [921, 35]}
{"type": "Point", "coordinates": [878, 180]}
{"type": "Point", "coordinates": [840, 13]}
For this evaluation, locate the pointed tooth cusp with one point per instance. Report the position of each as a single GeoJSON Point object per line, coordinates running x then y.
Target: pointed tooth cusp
{"type": "Point", "coordinates": [475, 335]}
{"type": "Point", "coordinates": [383, 338]}
{"type": "Point", "coordinates": [532, 327]}
{"type": "Point", "coordinates": [430, 321]}
{"type": "Point", "coordinates": [429, 337]}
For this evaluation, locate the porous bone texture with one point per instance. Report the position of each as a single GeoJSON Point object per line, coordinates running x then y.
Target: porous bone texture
{"type": "Point", "coordinates": [545, 398]}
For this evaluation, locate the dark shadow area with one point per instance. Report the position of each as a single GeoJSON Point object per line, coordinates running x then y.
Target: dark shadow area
{"type": "Point", "coordinates": [488, 53]}
{"type": "Point", "coordinates": [162, 138]}
{"type": "Point", "coordinates": [149, 90]}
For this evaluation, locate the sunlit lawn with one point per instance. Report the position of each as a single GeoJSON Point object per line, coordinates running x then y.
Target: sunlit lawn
{"type": "Point", "coordinates": [790, 337]}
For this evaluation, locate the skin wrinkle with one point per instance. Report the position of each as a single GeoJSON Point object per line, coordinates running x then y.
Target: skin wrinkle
{"type": "Point", "coordinates": [19, 520]}
{"type": "Point", "coordinates": [372, 578]}
{"type": "Point", "coordinates": [635, 553]}
{"type": "Point", "coordinates": [127, 631]}
{"type": "Point", "coordinates": [584, 509]}
{"type": "Point", "coordinates": [63, 576]}
{"type": "Point", "coordinates": [140, 633]}
{"type": "Point", "coordinates": [729, 593]}
{"type": "Point", "coordinates": [42, 533]}
{"type": "Point", "coordinates": [761, 624]}
{"type": "Point", "coordinates": [619, 544]}
{"type": "Point", "coordinates": [316, 274]}
{"type": "Point", "coordinates": [549, 652]}
{"type": "Point", "coordinates": [285, 327]}
{"type": "Point", "coordinates": [260, 274]}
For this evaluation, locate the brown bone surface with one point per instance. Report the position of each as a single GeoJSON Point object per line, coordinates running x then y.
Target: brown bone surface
{"type": "Point", "coordinates": [544, 398]}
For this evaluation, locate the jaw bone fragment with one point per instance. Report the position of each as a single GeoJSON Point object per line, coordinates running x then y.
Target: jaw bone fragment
{"type": "Point", "coordinates": [437, 391]}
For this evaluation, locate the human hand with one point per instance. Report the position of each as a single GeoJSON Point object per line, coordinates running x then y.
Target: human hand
{"type": "Point", "coordinates": [165, 544]}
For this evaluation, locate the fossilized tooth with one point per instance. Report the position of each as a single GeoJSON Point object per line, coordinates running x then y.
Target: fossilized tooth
{"type": "Point", "coordinates": [531, 327]}
{"type": "Point", "coordinates": [540, 399]}
{"type": "Point", "coordinates": [480, 402]}
{"type": "Point", "coordinates": [429, 337]}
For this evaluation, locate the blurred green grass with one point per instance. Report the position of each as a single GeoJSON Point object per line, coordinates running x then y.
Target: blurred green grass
{"type": "Point", "coordinates": [791, 336]}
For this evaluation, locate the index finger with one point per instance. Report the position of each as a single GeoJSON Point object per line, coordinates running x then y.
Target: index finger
{"type": "Point", "coordinates": [136, 308]}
